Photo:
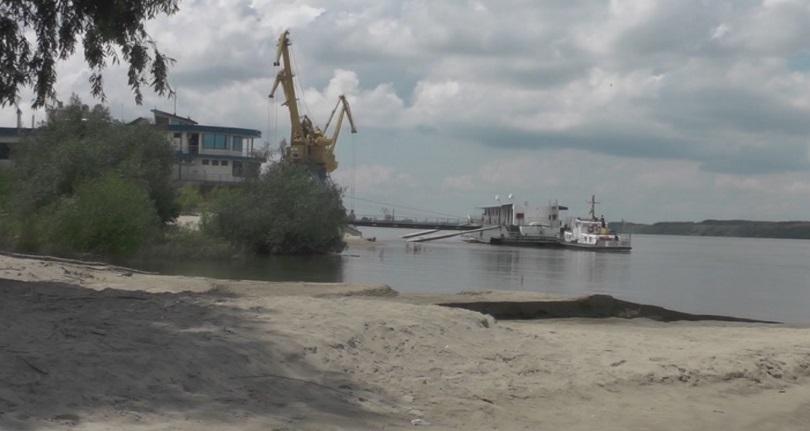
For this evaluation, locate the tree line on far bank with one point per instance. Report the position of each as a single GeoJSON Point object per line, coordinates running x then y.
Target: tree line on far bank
{"type": "Point", "coordinates": [84, 184]}
{"type": "Point", "coordinates": [730, 228]}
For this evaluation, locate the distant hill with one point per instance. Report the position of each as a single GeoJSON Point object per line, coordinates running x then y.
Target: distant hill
{"type": "Point", "coordinates": [736, 228]}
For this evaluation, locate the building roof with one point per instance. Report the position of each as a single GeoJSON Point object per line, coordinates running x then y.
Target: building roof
{"type": "Point", "coordinates": [159, 113]}
{"type": "Point", "coordinates": [140, 120]}
{"type": "Point", "coordinates": [509, 204]}
{"type": "Point", "coordinates": [214, 129]}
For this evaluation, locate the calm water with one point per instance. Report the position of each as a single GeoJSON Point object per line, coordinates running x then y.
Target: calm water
{"type": "Point", "coordinates": [756, 278]}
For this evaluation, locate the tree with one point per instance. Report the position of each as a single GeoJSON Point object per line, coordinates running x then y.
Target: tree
{"type": "Point", "coordinates": [109, 30]}
{"type": "Point", "coordinates": [105, 216]}
{"type": "Point", "coordinates": [285, 211]}
{"type": "Point", "coordinates": [79, 143]}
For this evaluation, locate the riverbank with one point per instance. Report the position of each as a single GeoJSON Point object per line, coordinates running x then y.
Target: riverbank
{"type": "Point", "coordinates": [99, 347]}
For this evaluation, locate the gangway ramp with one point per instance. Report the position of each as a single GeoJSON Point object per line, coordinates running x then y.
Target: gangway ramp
{"type": "Point", "coordinates": [424, 232]}
{"type": "Point", "coordinates": [450, 235]}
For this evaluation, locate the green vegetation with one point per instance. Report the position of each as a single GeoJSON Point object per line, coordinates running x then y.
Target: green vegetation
{"type": "Point", "coordinates": [84, 184]}
{"type": "Point", "coordinates": [6, 227]}
{"type": "Point", "coordinates": [285, 211]}
{"type": "Point", "coordinates": [190, 200]}
{"type": "Point", "coordinates": [105, 216]}
{"type": "Point", "coordinates": [176, 243]}
{"type": "Point", "coordinates": [78, 144]}
{"type": "Point", "coordinates": [35, 33]}
{"type": "Point", "coordinates": [732, 228]}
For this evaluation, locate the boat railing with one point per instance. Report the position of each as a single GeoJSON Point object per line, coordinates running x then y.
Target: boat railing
{"type": "Point", "coordinates": [622, 241]}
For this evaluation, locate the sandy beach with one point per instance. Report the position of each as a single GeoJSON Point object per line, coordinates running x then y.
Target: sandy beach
{"type": "Point", "coordinates": [97, 347]}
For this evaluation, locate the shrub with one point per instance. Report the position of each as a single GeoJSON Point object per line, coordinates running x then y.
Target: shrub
{"type": "Point", "coordinates": [177, 242]}
{"type": "Point", "coordinates": [108, 216]}
{"type": "Point", "coordinates": [78, 144]}
{"type": "Point", "coordinates": [285, 211]}
{"type": "Point", "coordinates": [190, 200]}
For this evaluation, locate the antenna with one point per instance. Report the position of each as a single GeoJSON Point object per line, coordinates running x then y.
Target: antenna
{"type": "Point", "coordinates": [593, 203]}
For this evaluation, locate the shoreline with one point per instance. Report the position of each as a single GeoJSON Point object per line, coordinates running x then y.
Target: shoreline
{"type": "Point", "coordinates": [91, 347]}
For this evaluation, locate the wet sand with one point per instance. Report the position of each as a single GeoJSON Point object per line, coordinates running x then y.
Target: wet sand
{"type": "Point", "coordinates": [93, 347]}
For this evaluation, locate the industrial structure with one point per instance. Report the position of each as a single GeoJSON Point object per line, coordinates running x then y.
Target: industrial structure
{"type": "Point", "coordinates": [309, 145]}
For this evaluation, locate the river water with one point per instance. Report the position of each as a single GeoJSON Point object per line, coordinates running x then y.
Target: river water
{"type": "Point", "coordinates": [765, 279]}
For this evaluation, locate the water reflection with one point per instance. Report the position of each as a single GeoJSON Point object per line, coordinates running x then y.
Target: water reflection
{"type": "Point", "coordinates": [760, 279]}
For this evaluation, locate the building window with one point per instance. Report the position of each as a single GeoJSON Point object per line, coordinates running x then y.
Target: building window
{"type": "Point", "coordinates": [224, 163]}
{"type": "Point", "coordinates": [214, 141]}
{"type": "Point", "coordinates": [214, 162]}
{"type": "Point", "coordinates": [5, 152]}
{"type": "Point", "coordinates": [237, 143]}
{"type": "Point", "coordinates": [205, 161]}
{"type": "Point", "coordinates": [177, 140]}
{"type": "Point", "coordinates": [237, 169]}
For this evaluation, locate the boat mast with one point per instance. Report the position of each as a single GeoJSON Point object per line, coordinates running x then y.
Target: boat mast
{"type": "Point", "coordinates": [593, 203]}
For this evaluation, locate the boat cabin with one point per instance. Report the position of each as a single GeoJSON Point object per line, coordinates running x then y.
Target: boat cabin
{"type": "Point", "coordinates": [501, 215]}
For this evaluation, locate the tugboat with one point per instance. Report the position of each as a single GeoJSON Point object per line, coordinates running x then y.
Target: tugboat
{"type": "Point", "coordinates": [593, 234]}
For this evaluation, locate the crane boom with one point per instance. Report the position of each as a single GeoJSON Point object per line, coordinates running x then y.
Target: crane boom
{"type": "Point", "coordinates": [344, 110]}
{"type": "Point", "coordinates": [285, 78]}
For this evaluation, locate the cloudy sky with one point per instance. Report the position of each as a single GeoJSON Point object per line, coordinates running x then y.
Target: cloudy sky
{"type": "Point", "coordinates": [667, 110]}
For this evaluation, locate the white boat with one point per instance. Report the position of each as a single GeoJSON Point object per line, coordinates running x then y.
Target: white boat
{"type": "Point", "coordinates": [592, 233]}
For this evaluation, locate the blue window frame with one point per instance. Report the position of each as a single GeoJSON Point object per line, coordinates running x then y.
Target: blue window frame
{"type": "Point", "coordinates": [237, 144]}
{"type": "Point", "coordinates": [215, 141]}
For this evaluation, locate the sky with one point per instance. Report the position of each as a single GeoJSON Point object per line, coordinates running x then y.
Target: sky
{"type": "Point", "coordinates": [665, 110]}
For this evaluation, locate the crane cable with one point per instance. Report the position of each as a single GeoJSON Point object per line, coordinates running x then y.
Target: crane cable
{"type": "Point", "coordinates": [298, 82]}
{"type": "Point", "coordinates": [354, 170]}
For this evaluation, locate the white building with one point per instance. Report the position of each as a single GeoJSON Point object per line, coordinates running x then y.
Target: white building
{"type": "Point", "coordinates": [209, 155]}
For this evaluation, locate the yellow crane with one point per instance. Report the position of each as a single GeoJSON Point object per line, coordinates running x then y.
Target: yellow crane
{"type": "Point", "coordinates": [309, 144]}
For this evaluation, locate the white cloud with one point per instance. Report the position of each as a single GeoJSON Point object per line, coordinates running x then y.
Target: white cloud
{"type": "Point", "coordinates": [464, 183]}
{"type": "Point", "coordinates": [372, 178]}
{"type": "Point", "coordinates": [703, 101]}
{"type": "Point", "coordinates": [720, 31]}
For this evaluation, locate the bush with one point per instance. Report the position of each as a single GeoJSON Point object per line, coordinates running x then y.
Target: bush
{"type": "Point", "coordinates": [105, 216]}
{"type": "Point", "coordinates": [177, 242]}
{"type": "Point", "coordinates": [8, 225]}
{"type": "Point", "coordinates": [190, 200]}
{"type": "Point", "coordinates": [78, 144]}
{"type": "Point", "coordinates": [285, 211]}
